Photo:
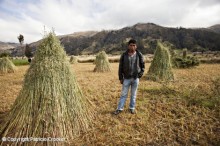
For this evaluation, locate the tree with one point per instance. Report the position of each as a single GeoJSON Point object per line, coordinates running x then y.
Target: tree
{"type": "Point", "coordinates": [28, 52]}
{"type": "Point", "coordinates": [21, 39]}
{"type": "Point", "coordinates": [4, 54]}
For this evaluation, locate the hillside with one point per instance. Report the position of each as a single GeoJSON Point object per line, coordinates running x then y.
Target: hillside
{"type": "Point", "coordinates": [6, 46]}
{"type": "Point", "coordinates": [215, 28]}
{"type": "Point", "coordinates": [115, 41]}
{"type": "Point", "coordinates": [80, 34]}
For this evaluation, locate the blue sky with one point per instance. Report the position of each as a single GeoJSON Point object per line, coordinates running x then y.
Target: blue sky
{"type": "Point", "coordinates": [28, 17]}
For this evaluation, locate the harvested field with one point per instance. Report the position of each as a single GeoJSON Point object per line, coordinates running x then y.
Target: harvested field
{"type": "Point", "coordinates": [183, 112]}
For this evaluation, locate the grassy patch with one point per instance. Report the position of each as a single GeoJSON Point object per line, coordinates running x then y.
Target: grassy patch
{"type": "Point", "coordinates": [191, 96]}
{"type": "Point", "coordinates": [163, 91]}
{"type": "Point", "coordinates": [211, 103]}
{"type": "Point", "coordinates": [19, 62]}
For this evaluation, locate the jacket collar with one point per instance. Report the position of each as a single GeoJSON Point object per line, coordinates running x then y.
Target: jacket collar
{"type": "Point", "coordinates": [127, 52]}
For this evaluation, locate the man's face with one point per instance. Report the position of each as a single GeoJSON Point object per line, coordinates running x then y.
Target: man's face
{"type": "Point", "coordinates": [132, 47]}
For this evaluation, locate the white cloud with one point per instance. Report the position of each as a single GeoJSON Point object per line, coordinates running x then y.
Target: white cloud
{"type": "Point", "coordinates": [67, 16]}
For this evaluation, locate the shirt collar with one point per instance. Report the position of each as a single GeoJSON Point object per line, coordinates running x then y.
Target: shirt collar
{"type": "Point", "coordinates": [132, 54]}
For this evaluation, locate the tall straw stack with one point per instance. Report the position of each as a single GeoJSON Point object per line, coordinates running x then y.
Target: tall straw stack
{"type": "Point", "coordinates": [6, 65]}
{"type": "Point", "coordinates": [73, 60]}
{"type": "Point", "coordinates": [184, 53]}
{"type": "Point", "coordinates": [102, 63]}
{"type": "Point", "coordinates": [161, 68]}
{"type": "Point", "coordinates": [50, 103]}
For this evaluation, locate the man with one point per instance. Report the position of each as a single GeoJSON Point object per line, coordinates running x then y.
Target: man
{"type": "Point", "coordinates": [131, 68]}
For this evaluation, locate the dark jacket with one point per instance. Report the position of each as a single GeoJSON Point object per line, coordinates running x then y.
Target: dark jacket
{"type": "Point", "coordinates": [124, 68]}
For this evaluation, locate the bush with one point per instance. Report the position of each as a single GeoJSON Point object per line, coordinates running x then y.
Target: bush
{"type": "Point", "coordinates": [28, 51]}
{"type": "Point", "coordinates": [4, 54]}
{"type": "Point", "coordinates": [187, 62]}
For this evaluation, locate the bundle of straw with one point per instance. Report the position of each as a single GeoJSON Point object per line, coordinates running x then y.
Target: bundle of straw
{"type": "Point", "coordinates": [102, 63]}
{"type": "Point", "coordinates": [161, 68]}
{"type": "Point", "coordinates": [73, 60]}
{"type": "Point", "coordinates": [50, 103]}
{"type": "Point", "coordinates": [6, 65]}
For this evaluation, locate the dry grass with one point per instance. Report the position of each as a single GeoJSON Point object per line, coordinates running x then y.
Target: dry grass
{"type": "Point", "coordinates": [166, 114]}
{"type": "Point", "coordinates": [112, 58]}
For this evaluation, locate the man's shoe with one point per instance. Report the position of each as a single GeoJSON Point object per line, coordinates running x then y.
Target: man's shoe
{"type": "Point", "coordinates": [132, 111]}
{"type": "Point", "coordinates": [117, 112]}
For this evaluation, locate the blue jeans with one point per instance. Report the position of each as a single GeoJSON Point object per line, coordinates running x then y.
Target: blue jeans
{"type": "Point", "coordinates": [125, 88]}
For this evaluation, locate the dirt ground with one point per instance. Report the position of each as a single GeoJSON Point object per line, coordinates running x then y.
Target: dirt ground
{"type": "Point", "coordinates": [167, 113]}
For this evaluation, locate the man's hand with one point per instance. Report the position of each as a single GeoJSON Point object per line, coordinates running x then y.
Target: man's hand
{"type": "Point", "coordinates": [121, 81]}
{"type": "Point", "coordinates": [140, 74]}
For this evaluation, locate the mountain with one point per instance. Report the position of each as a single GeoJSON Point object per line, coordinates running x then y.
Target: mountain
{"type": "Point", "coordinates": [146, 34]}
{"type": "Point", "coordinates": [80, 34]}
{"type": "Point", "coordinates": [215, 28]}
{"type": "Point", "coordinates": [6, 46]}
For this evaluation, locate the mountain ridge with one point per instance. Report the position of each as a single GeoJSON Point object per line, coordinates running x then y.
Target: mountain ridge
{"type": "Point", "coordinates": [215, 28]}
{"type": "Point", "coordinates": [146, 34]}
{"type": "Point", "coordinates": [7, 45]}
